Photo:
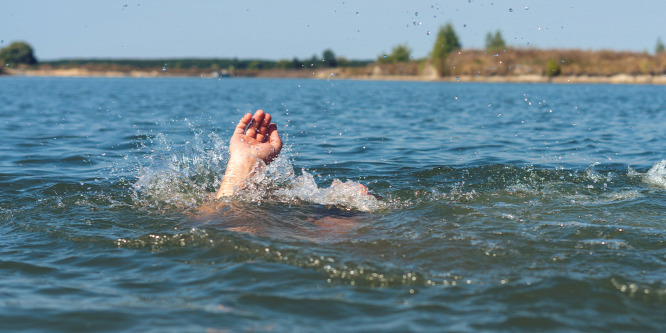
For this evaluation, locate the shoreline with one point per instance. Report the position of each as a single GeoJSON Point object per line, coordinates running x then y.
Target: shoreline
{"type": "Point", "coordinates": [340, 74]}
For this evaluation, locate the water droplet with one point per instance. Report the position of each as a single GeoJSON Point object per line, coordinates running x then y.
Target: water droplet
{"type": "Point", "coordinates": [385, 56]}
{"type": "Point", "coordinates": [357, 14]}
{"type": "Point", "coordinates": [416, 14]}
{"type": "Point", "coordinates": [527, 7]}
{"type": "Point", "coordinates": [464, 25]}
{"type": "Point", "coordinates": [510, 10]}
{"type": "Point", "coordinates": [164, 68]}
{"type": "Point", "coordinates": [428, 33]}
{"type": "Point", "coordinates": [457, 79]}
{"type": "Point", "coordinates": [332, 74]}
{"type": "Point", "coordinates": [489, 104]}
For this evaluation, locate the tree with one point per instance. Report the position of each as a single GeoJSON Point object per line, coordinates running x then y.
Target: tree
{"type": "Point", "coordinates": [553, 68]}
{"type": "Point", "coordinates": [660, 47]}
{"type": "Point", "coordinates": [283, 63]}
{"type": "Point", "coordinates": [400, 53]}
{"type": "Point", "coordinates": [447, 42]}
{"type": "Point", "coordinates": [297, 64]}
{"type": "Point", "coordinates": [495, 42]}
{"type": "Point", "coordinates": [17, 53]}
{"type": "Point", "coordinates": [342, 61]}
{"type": "Point", "coordinates": [329, 58]}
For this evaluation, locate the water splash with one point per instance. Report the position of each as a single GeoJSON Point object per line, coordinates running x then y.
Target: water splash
{"type": "Point", "coordinates": [180, 176]}
{"type": "Point", "coordinates": [185, 176]}
{"type": "Point", "coordinates": [656, 176]}
{"type": "Point", "coordinates": [348, 194]}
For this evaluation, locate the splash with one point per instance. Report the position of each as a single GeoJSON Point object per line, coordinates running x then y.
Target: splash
{"type": "Point", "coordinates": [185, 176]}
{"type": "Point", "coordinates": [348, 194]}
{"type": "Point", "coordinates": [656, 176]}
{"type": "Point", "coordinates": [180, 176]}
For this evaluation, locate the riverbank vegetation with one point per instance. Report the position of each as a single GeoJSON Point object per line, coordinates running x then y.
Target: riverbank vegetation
{"type": "Point", "coordinates": [447, 59]}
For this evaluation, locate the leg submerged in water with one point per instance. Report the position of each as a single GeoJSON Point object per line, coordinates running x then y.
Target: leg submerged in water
{"type": "Point", "coordinates": [254, 144]}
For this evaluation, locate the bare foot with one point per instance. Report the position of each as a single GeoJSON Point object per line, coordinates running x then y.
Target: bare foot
{"type": "Point", "coordinates": [254, 144]}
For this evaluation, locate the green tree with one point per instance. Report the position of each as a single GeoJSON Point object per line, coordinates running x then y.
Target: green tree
{"type": "Point", "coordinates": [342, 61]}
{"type": "Point", "coordinates": [660, 48]}
{"type": "Point", "coordinates": [254, 65]}
{"type": "Point", "coordinates": [17, 53]}
{"type": "Point", "coordinates": [283, 63]}
{"type": "Point", "coordinates": [552, 68]}
{"type": "Point", "coordinates": [313, 62]}
{"type": "Point", "coordinates": [329, 58]}
{"type": "Point", "coordinates": [495, 42]}
{"type": "Point", "coordinates": [447, 42]}
{"type": "Point", "coordinates": [400, 53]}
{"type": "Point", "coordinates": [296, 64]}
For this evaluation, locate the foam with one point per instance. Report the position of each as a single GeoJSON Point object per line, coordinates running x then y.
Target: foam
{"type": "Point", "coordinates": [656, 176]}
{"type": "Point", "coordinates": [348, 194]}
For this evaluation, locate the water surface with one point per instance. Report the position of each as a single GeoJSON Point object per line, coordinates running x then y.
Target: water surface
{"type": "Point", "coordinates": [499, 207]}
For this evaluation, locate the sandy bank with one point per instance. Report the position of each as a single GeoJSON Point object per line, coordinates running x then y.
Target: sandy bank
{"type": "Point", "coordinates": [340, 74]}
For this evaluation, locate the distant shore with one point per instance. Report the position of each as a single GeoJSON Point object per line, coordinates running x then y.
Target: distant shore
{"type": "Point", "coordinates": [342, 74]}
{"type": "Point", "coordinates": [518, 65]}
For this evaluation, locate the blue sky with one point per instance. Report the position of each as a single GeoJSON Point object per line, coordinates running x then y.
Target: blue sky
{"type": "Point", "coordinates": [269, 29]}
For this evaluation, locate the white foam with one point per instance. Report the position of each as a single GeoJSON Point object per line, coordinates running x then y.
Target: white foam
{"type": "Point", "coordinates": [348, 194]}
{"type": "Point", "coordinates": [656, 176]}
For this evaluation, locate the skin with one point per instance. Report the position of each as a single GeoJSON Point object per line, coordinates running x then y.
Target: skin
{"type": "Point", "coordinates": [254, 144]}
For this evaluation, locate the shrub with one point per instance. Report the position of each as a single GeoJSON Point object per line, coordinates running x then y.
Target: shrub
{"type": "Point", "coordinates": [553, 67]}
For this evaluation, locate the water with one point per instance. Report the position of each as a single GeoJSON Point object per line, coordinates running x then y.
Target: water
{"type": "Point", "coordinates": [498, 207]}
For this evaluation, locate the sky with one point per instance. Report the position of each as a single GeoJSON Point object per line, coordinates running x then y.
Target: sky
{"type": "Point", "coordinates": [284, 29]}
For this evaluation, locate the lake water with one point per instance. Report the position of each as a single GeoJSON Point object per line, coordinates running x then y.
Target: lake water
{"type": "Point", "coordinates": [497, 207]}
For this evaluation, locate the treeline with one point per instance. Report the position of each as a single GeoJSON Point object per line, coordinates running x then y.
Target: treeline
{"type": "Point", "coordinates": [327, 60]}
{"type": "Point", "coordinates": [447, 58]}
{"type": "Point", "coordinates": [183, 63]}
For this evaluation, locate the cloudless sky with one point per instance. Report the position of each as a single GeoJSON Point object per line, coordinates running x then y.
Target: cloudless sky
{"type": "Point", "coordinates": [284, 29]}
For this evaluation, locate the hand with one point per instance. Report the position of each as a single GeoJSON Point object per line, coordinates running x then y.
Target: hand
{"type": "Point", "coordinates": [255, 143]}
{"type": "Point", "coordinates": [255, 138]}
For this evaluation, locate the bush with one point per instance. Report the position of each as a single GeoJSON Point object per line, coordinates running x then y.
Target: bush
{"type": "Point", "coordinates": [17, 53]}
{"type": "Point", "coordinates": [400, 53]}
{"type": "Point", "coordinates": [553, 68]}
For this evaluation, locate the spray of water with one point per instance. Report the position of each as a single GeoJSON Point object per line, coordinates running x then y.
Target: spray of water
{"type": "Point", "coordinates": [185, 176]}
